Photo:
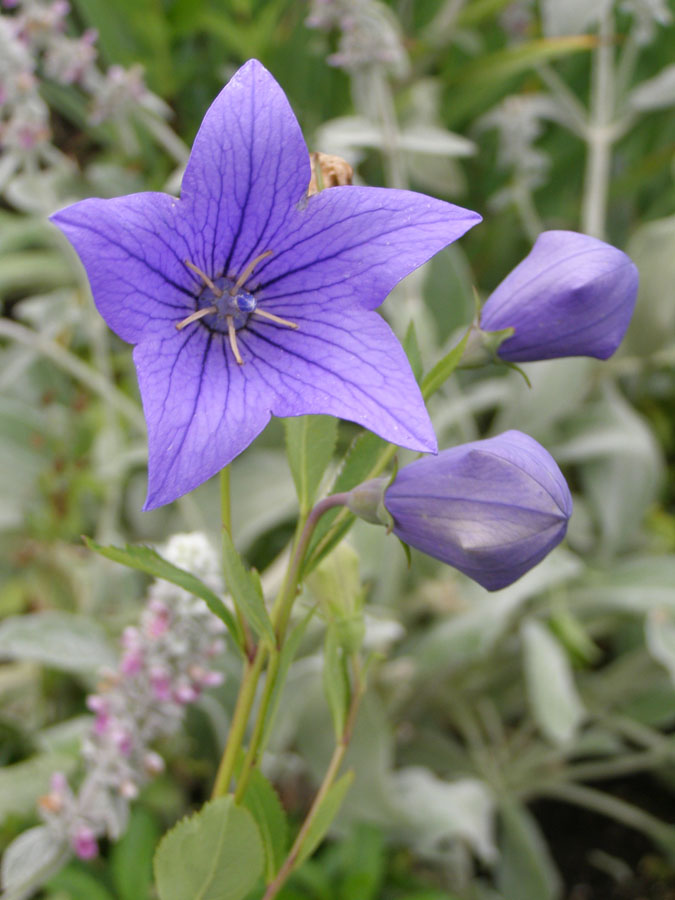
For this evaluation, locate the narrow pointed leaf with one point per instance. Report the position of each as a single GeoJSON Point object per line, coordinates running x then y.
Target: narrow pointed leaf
{"type": "Point", "coordinates": [144, 559]}
{"type": "Point", "coordinates": [444, 368]}
{"type": "Point", "coordinates": [412, 350]}
{"type": "Point", "coordinates": [246, 590]}
{"type": "Point", "coordinates": [325, 816]}
{"type": "Point", "coordinates": [310, 442]}
{"type": "Point", "coordinates": [335, 683]}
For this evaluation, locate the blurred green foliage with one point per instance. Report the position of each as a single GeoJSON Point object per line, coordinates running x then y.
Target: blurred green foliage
{"type": "Point", "coordinates": [470, 691]}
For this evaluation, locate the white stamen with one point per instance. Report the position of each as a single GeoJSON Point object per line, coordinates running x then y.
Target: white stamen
{"type": "Point", "coordinates": [205, 278]}
{"type": "Point", "coordinates": [247, 271]}
{"type": "Point", "coordinates": [232, 331]}
{"type": "Point", "coordinates": [198, 314]}
{"type": "Point", "coordinates": [273, 318]}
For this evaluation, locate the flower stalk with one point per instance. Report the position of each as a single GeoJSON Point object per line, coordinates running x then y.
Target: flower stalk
{"type": "Point", "coordinates": [358, 689]}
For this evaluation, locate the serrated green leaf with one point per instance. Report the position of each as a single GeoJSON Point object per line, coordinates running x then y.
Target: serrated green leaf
{"type": "Point", "coordinates": [335, 681]}
{"type": "Point", "coordinates": [217, 854]}
{"type": "Point", "coordinates": [131, 857]}
{"type": "Point", "coordinates": [444, 368]}
{"type": "Point", "coordinates": [145, 559]}
{"type": "Point", "coordinates": [310, 443]}
{"type": "Point", "coordinates": [412, 350]}
{"type": "Point", "coordinates": [262, 801]}
{"type": "Point", "coordinates": [325, 816]}
{"type": "Point", "coordinates": [246, 590]}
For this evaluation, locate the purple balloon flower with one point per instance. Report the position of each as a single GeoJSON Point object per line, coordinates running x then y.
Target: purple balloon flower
{"type": "Point", "coordinates": [246, 298]}
{"type": "Point", "coordinates": [573, 295]}
{"type": "Point", "coordinates": [492, 509]}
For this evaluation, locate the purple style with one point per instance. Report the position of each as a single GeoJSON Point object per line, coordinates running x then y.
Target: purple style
{"type": "Point", "coordinates": [246, 299]}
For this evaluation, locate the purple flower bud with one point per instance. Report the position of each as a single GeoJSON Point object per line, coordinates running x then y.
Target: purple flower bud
{"type": "Point", "coordinates": [573, 295]}
{"type": "Point", "coordinates": [84, 843]}
{"type": "Point", "coordinates": [492, 508]}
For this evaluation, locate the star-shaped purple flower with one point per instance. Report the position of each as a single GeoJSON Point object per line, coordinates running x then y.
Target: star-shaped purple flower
{"type": "Point", "coordinates": [246, 298]}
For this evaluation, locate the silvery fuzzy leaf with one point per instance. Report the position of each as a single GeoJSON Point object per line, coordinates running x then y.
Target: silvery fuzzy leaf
{"type": "Point", "coordinates": [61, 640]}
{"type": "Point", "coordinates": [348, 133]}
{"type": "Point", "coordinates": [471, 634]}
{"type": "Point", "coordinates": [29, 860]}
{"type": "Point", "coordinates": [652, 247]}
{"type": "Point", "coordinates": [654, 93]}
{"type": "Point", "coordinates": [537, 408]}
{"type": "Point", "coordinates": [621, 466]}
{"type": "Point", "coordinates": [433, 811]}
{"type": "Point", "coordinates": [555, 702]}
{"type": "Point", "coordinates": [660, 638]}
{"type": "Point", "coordinates": [637, 585]}
{"type": "Point", "coordinates": [571, 16]}
{"type": "Point", "coordinates": [23, 782]}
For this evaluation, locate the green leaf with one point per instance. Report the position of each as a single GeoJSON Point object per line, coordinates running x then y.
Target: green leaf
{"type": "Point", "coordinates": [144, 559]}
{"type": "Point", "coordinates": [131, 857]}
{"type": "Point", "coordinates": [487, 78]}
{"type": "Point", "coordinates": [325, 815]}
{"type": "Point", "coordinates": [412, 349]}
{"type": "Point", "coordinates": [217, 854]}
{"type": "Point", "coordinates": [76, 883]}
{"type": "Point", "coordinates": [310, 443]}
{"type": "Point", "coordinates": [444, 368]}
{"type": "Point", "coordinates": [262, 801]}
{"type": "Point", "coordinates": [335, 680]}
{"type": "Point", "coordinates": [525, 869]}
{"type": "Point", "coordinates": [246, 590]}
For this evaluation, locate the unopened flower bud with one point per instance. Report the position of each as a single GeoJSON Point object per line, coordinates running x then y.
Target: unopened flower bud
{"type": "Point", "coordinates": [573, 295]}
{"type": "Point", "coordinates": [492, 509]}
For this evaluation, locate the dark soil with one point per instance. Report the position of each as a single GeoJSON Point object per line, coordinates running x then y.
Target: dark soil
{"type": "Point", "coordinates": [600, 859]}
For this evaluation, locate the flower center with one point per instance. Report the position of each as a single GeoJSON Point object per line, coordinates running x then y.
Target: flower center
{"type": "Point", "coordinates": [225, 305]}
{"type": "Point", "coordinates": [221, 304]}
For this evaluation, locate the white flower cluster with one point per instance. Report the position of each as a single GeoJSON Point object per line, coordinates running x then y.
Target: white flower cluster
{"type": "Point", "coordinates": [369, 34]}
{"type": "Point", "coordinates": [164, 667]}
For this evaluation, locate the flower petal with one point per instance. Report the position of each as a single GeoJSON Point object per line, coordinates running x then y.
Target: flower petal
{"type": "Point", "coordinates": [133, 249]}
{"type": "Point", "coordinates": [200, 409]}
{"type": "Point", "coordinates": [359, 241]}
{"type": "Point", "coordinates": [248, 169]}
{"type": "Point", "coordinates": [343, 362]}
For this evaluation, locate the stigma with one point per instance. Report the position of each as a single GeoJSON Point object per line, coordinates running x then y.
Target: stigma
{"type": "Point", "coordinates": [226, 306]}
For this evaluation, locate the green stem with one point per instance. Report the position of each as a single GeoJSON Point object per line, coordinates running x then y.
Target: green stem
{"type": "Point", "coordinates": [599, 133]}
{"type": "Point", "coordinates": [225, 505]}
{"type": "Point", "coordinates": [257, 657]}
{"type": "Point", "coordinates": [242, 710]}
{"type": "Point", "coordinates": [329, 778]}
{"type": "Point", "coordinates": [255, 744]}
{"type": "Point", "coordinates": [284, 602]}
{"type": "Point", "coordinates": [344, 516]}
